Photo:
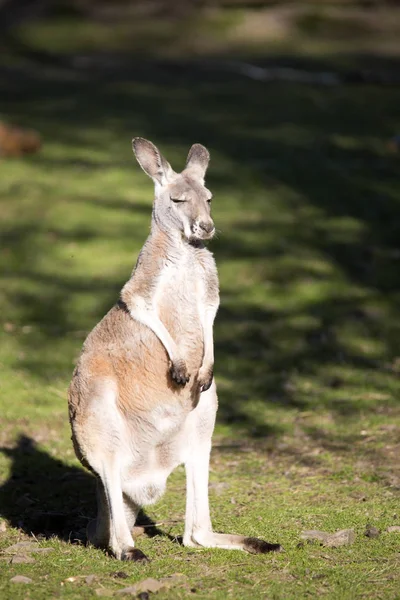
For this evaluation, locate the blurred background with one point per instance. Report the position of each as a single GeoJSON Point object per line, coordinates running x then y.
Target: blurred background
{"type": "Point", "coordinates": [298, 103]}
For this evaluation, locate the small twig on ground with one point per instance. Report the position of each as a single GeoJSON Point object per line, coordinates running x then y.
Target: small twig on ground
{"type": "Point", "coordinates": [159, 524]}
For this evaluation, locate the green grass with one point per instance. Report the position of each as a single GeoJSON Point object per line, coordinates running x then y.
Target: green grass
{"type": "Point", "coordinates": [303, 28]}
{"type": "Point", "coordinates": [307, 198]}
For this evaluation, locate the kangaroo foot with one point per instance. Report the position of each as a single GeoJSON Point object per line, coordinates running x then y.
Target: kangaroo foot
{"type": "Point", "coordinates": [134, 554]}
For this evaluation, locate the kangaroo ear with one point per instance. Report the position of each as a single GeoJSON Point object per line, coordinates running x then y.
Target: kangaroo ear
{"type": "Point", "coordinates": [151, 160]}
{"type": "Point", "coordinates": [198, 159]}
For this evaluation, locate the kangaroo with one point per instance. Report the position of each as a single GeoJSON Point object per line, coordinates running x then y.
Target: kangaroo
{"type": "Point", "coordinates": [143, 398]}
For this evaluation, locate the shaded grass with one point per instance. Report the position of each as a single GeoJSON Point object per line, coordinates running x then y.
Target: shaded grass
{"type": "Point", "coordinates": [195, 29]}
{"type": "Point", "coordinates": [306, 196]}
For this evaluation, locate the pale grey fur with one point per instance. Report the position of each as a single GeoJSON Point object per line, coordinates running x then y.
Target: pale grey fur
{"type": "Point", "coordinates": [143, 399]}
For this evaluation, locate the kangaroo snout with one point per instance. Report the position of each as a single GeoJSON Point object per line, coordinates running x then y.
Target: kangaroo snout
{"type": "Point", "coordinates": [207, 227]}
{"type": "Point", "coordinates": [203, 229]}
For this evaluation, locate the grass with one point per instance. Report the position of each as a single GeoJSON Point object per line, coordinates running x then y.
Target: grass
{"type": "Point", "coordinates": [261, 29]}
{"type": "Point", "coordinates": [306, 195]}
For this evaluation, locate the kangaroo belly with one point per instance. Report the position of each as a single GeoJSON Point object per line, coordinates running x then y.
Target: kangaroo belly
{"type": "Point", "coordinates": [154, 450]}
{"type": "Point", "coordinates": [146, 489]}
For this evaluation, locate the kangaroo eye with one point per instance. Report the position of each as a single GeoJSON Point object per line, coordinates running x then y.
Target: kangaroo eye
{"type": "Point", "coordinates": [177, 200]}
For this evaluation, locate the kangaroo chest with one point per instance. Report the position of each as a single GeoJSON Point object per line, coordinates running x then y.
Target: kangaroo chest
{"type": "Point", "coordinates": [180, 305]}
{"type": "Point", "coordinates": [180, 293]}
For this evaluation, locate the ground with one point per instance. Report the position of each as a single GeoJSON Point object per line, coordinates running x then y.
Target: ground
{"type": "Point", "coordinates": [306, 201]}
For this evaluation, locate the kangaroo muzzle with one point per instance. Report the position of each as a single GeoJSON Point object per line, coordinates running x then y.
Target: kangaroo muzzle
{"type": "Point", "coordinates": [203, 229]}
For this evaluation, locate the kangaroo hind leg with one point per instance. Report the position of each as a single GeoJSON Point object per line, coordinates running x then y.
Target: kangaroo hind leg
{"type": "Point", "coordinates": [198, 528]}
{"type": "Point", "coordinates": [98, 530]}
{"type": "Point", "coordinates": [121, 516]}
{"type": "Point", "coordinates": [104, 448]}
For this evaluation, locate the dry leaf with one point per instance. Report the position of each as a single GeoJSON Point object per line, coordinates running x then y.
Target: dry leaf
{"type": "Point", "coordinates": [21, 558]}
{"type": "Point", "coordinates": [41, 550]}
{"type": "Point", "coordinates": [147, 585]}
{"type": "Point", "coordinates": [393, 529]}
{"type": "Point", "coordinates": [104, 592]}
{"type": "Point", "coordinates": [21, 546]}
{"type": "Point", "coordinates": [137, 531]}
{"type": "Point", "coordinates": [372, 532]}
{"type": "Point", "coordinates": [343, 537]}
{"type": "Point", "coordinates": [21, 579]}
{"type": "Point", "coordinates": [153, 585]}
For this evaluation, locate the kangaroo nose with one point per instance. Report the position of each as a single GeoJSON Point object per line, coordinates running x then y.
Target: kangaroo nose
{"type": "Point", "coordinates": [206, 226]}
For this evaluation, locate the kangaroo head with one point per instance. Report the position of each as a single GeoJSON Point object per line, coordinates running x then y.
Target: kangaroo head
{"type": "Point", "coordinates": [182, 202]}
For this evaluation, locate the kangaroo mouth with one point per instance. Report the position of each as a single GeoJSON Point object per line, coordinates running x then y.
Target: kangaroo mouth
{"type": "Point", "coordinates": [208, 235]}
{"type": "Point", "coordinates": [199, 240]}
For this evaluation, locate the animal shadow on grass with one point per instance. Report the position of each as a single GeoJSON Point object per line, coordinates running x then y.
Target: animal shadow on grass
{"type": "Point", "coordinates": [47, 498]}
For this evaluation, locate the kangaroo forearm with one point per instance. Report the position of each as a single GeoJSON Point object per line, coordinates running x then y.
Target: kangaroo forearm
{"type": "Point", "coordinates": [144, 311]}
{"type": "Point", "coordinates": [150, 318]}
{"type": "Point", "coordinates": [206, 372]}
{"type": "Point", "coordinates": [208, 357]}
{"type": "Point", "coordinates": [208, 336]}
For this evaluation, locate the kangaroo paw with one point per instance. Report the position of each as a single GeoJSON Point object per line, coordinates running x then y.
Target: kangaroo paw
{"type": "Point", "coordinates": [179, 372]}
{"type": "Point", "coordinates": [205, 379]}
